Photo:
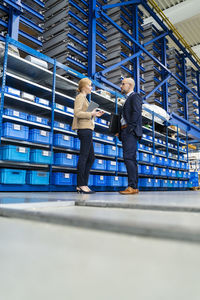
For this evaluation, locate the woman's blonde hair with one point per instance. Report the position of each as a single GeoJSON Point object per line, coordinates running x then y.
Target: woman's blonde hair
{"type": "Point", "coordinates": [82, 83]}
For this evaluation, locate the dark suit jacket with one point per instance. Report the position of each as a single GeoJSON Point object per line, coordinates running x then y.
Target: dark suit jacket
{"type": "Point", "coordinates": [132, 113]}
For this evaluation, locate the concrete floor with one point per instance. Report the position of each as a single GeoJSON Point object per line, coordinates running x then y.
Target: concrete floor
{"type": "Point", "coordinates": [102, 246]}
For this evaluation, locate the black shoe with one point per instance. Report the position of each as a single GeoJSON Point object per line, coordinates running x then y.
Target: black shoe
{"type": "Point", "coordinates": [81, 191]}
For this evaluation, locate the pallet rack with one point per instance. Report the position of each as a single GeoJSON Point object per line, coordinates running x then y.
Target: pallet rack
{"type": "Point", "coordinates": [162, 153]}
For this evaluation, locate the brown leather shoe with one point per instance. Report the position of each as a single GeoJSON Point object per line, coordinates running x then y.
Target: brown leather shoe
{"type": "Point", "coordinates": [129, 191]}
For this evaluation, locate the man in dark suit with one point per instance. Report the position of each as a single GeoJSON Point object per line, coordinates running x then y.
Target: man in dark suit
{"type": "Point", "coordinates": [130, 132]}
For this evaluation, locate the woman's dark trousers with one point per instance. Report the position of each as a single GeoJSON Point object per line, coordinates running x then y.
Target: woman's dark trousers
{"type": "Point", "coordinates": [86, 156]}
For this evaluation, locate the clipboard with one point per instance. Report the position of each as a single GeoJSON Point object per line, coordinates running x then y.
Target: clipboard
{"type": "Point", "coordinates": [92, 106]}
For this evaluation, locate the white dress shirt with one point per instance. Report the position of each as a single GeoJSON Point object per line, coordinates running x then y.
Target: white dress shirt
{"type": "Point", "coordinates": [122, 121]}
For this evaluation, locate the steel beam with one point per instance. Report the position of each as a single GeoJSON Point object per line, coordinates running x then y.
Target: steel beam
{"type": "Point", "coordinates": [92, 39]}
{"type": "Point", "coordinates": [145, 51]}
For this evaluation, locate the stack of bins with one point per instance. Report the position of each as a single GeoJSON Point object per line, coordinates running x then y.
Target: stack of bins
{"type": "Point", "coordinates": [176, 102]}
{"type": "Point", "coordinates": [101, 40]}
{"type": "Point", "coordinates": [31, 23]}
{"type": "Point", "coordinates": [193, 104]}
{"type": "Point", "coordinates": [4, 14]}
{"type": "Point", "coordinates": [119, 47]}
{"type": "Point", "coordinates": [66, 33]}
{"type": "Point", "coordinates": [153, 72]}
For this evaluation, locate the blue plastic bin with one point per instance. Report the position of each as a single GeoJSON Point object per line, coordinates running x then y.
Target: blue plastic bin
{"type": "Point", "coordinates": [98, 148]}
{"type": "Point", "coordinates": [169, 172]}
{"type": "Point", "coordinates": [111, 165]}
{"type": "Point", "coordinates": [156, 182]}
{"type": "Point", "coordinates": [99, 164]}
{"type": "Point", "coordinates": [124, 181]}
{"type": "Point", "coordinates": [40, 136]}
{"type": "Point", "coordinates": [177, 164]}
{"type": "Point", "coordinates": [160, 160]}
{"type": "Point", "coordinates": [16, 153]}
{"type": "Point", "coordinates": [60, 178]}
{"type": "Point", "coordinates": [114, 181]}
{"type": "Point", "coordinates": [42, 101]}
{"type": "Point", "coordinates": [37, 178]}
{"type": "Point", "coordinates": [69, 110]}
{"type": "Point", "coordinates": [141, 147]}
{"type": "Point", "coordinates": [180, 184]}
{"type": "Point", "coordinates": [11, 176]}
{"type": "Point", "coordinates": [175, 184]}
{"type": "Point", "coordinates": [39, 156]}
{"type": "Point", "coordinates": [91, 180]}
{"type": "Point", "coordinates": [15, 113]}
{"type": "Point", "coordinates": [98, 135]}
{"type": "Point", "coordinates": [173, 173]}
{"type": "Point", "coordinates": [61, 125]}
{"type": "Point", "coordinates": [164, 183]}
{"type": "Point", "coordinates": [12, 91]}
{"type": "Point", "coordinates": [152, 159]}
{"type": "Point", "coordinates": [15, 131]}
{"type": "Point", "coordinates": [144, 157]}
{"type": "Point", "coordinates": [77, 144]}
{"type": "Point", "coordinates": [146, 182]}
{"type": "Point", "coordinates": [59, 106]}
{"type": "Point", "coordinates": [172, 163]}
{"type": "Point", "coordinates": [163, 171]}
{"type": "Point", "coordinates": [185, 184]}
{"type": "Point", "coordinates": [65, 159]}
{"type": "Point", "coordinates": [166, 162]}
{"type": "Point", "coordinates": [100, 180]}
{"type": "Point", "coordinates": [146, 169]}
{"type": "Point", "coordinates": [155, 170]}
{"type": "Point", "coordinates": [110, 150]}
{"type": "Point", "coordinates": [122, 167]}
{"type": "Point", "coordinates": [179, 174]}
{"type": "Point", "coordinates": [37, 119]}
{"type": "Point", "coordinates": [108, 138]}
{"type": "Point", "coordinates": [170, 183]}
{"type": "Point", "coordinates": [62, 140]}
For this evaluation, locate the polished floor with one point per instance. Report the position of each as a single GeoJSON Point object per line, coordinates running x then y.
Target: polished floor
{"type": "Point", "coordinates": [102, 246]}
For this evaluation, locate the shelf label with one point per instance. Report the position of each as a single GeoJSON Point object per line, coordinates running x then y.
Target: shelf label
{"type": "Point", "coordinates": [16, 127]}
{"type": "Point", "coordinates": [101, 177]}
{"type": "Point", "coordinates": [38, 119]}
{"type": "Point", "coordinates": [116, 178]}
{"type": "Point", "coordinates": [13, 91]}
{"type": "Point", "coordinates": [59, 106]}
{"type": "Point", "coordinates": [100, 161]}
{"type": "Point", "coordinates": [109, 138]}
{"type": "Point", "coordinates": [61, 125]}
{"type": "Point", "coordinates": [15, 113]}
{"type": "Point", "coordinates": [69, 156]}
{"type": "Point", "coordinates": [113, 163]}
{"type": "Point", "coordinates": [113, 148]}
{"type": "Point", "coordinates": [22, 150]}
{"type": "Point", "coordinates": [43, 101]}
{"type": "Point", "coordinates": [97, 134]}
{"type": "Point", "coordinates": [43, 133]}
{"type": "Point", "coordinates": [67, 175]}
{"type": "Point", "coordinates": [45, 153]}
{"type": "Point", "coordinates": [70, 110]}
{"type": "Point", "coordinates": [66, 137]}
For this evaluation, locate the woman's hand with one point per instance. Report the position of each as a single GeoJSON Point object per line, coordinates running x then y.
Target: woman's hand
{"type": "Point", "coordinates": [96, 113]}
{"type": "Point", "coordinates": [99, 113]}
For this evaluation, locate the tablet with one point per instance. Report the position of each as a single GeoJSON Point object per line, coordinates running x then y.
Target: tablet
{"type": "Point", "coordinates": [92, 106]}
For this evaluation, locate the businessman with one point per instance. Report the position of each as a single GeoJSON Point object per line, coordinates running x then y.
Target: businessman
{"type": "Point", "coordinates": [130, 132]}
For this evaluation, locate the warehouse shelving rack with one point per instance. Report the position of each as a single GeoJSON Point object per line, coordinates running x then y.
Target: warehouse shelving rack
{"type": "Point", "coordinates": [57, 89]}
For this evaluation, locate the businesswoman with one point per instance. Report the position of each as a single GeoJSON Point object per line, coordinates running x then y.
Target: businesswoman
{"type": "Point", "coordinates": [83, 122]}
